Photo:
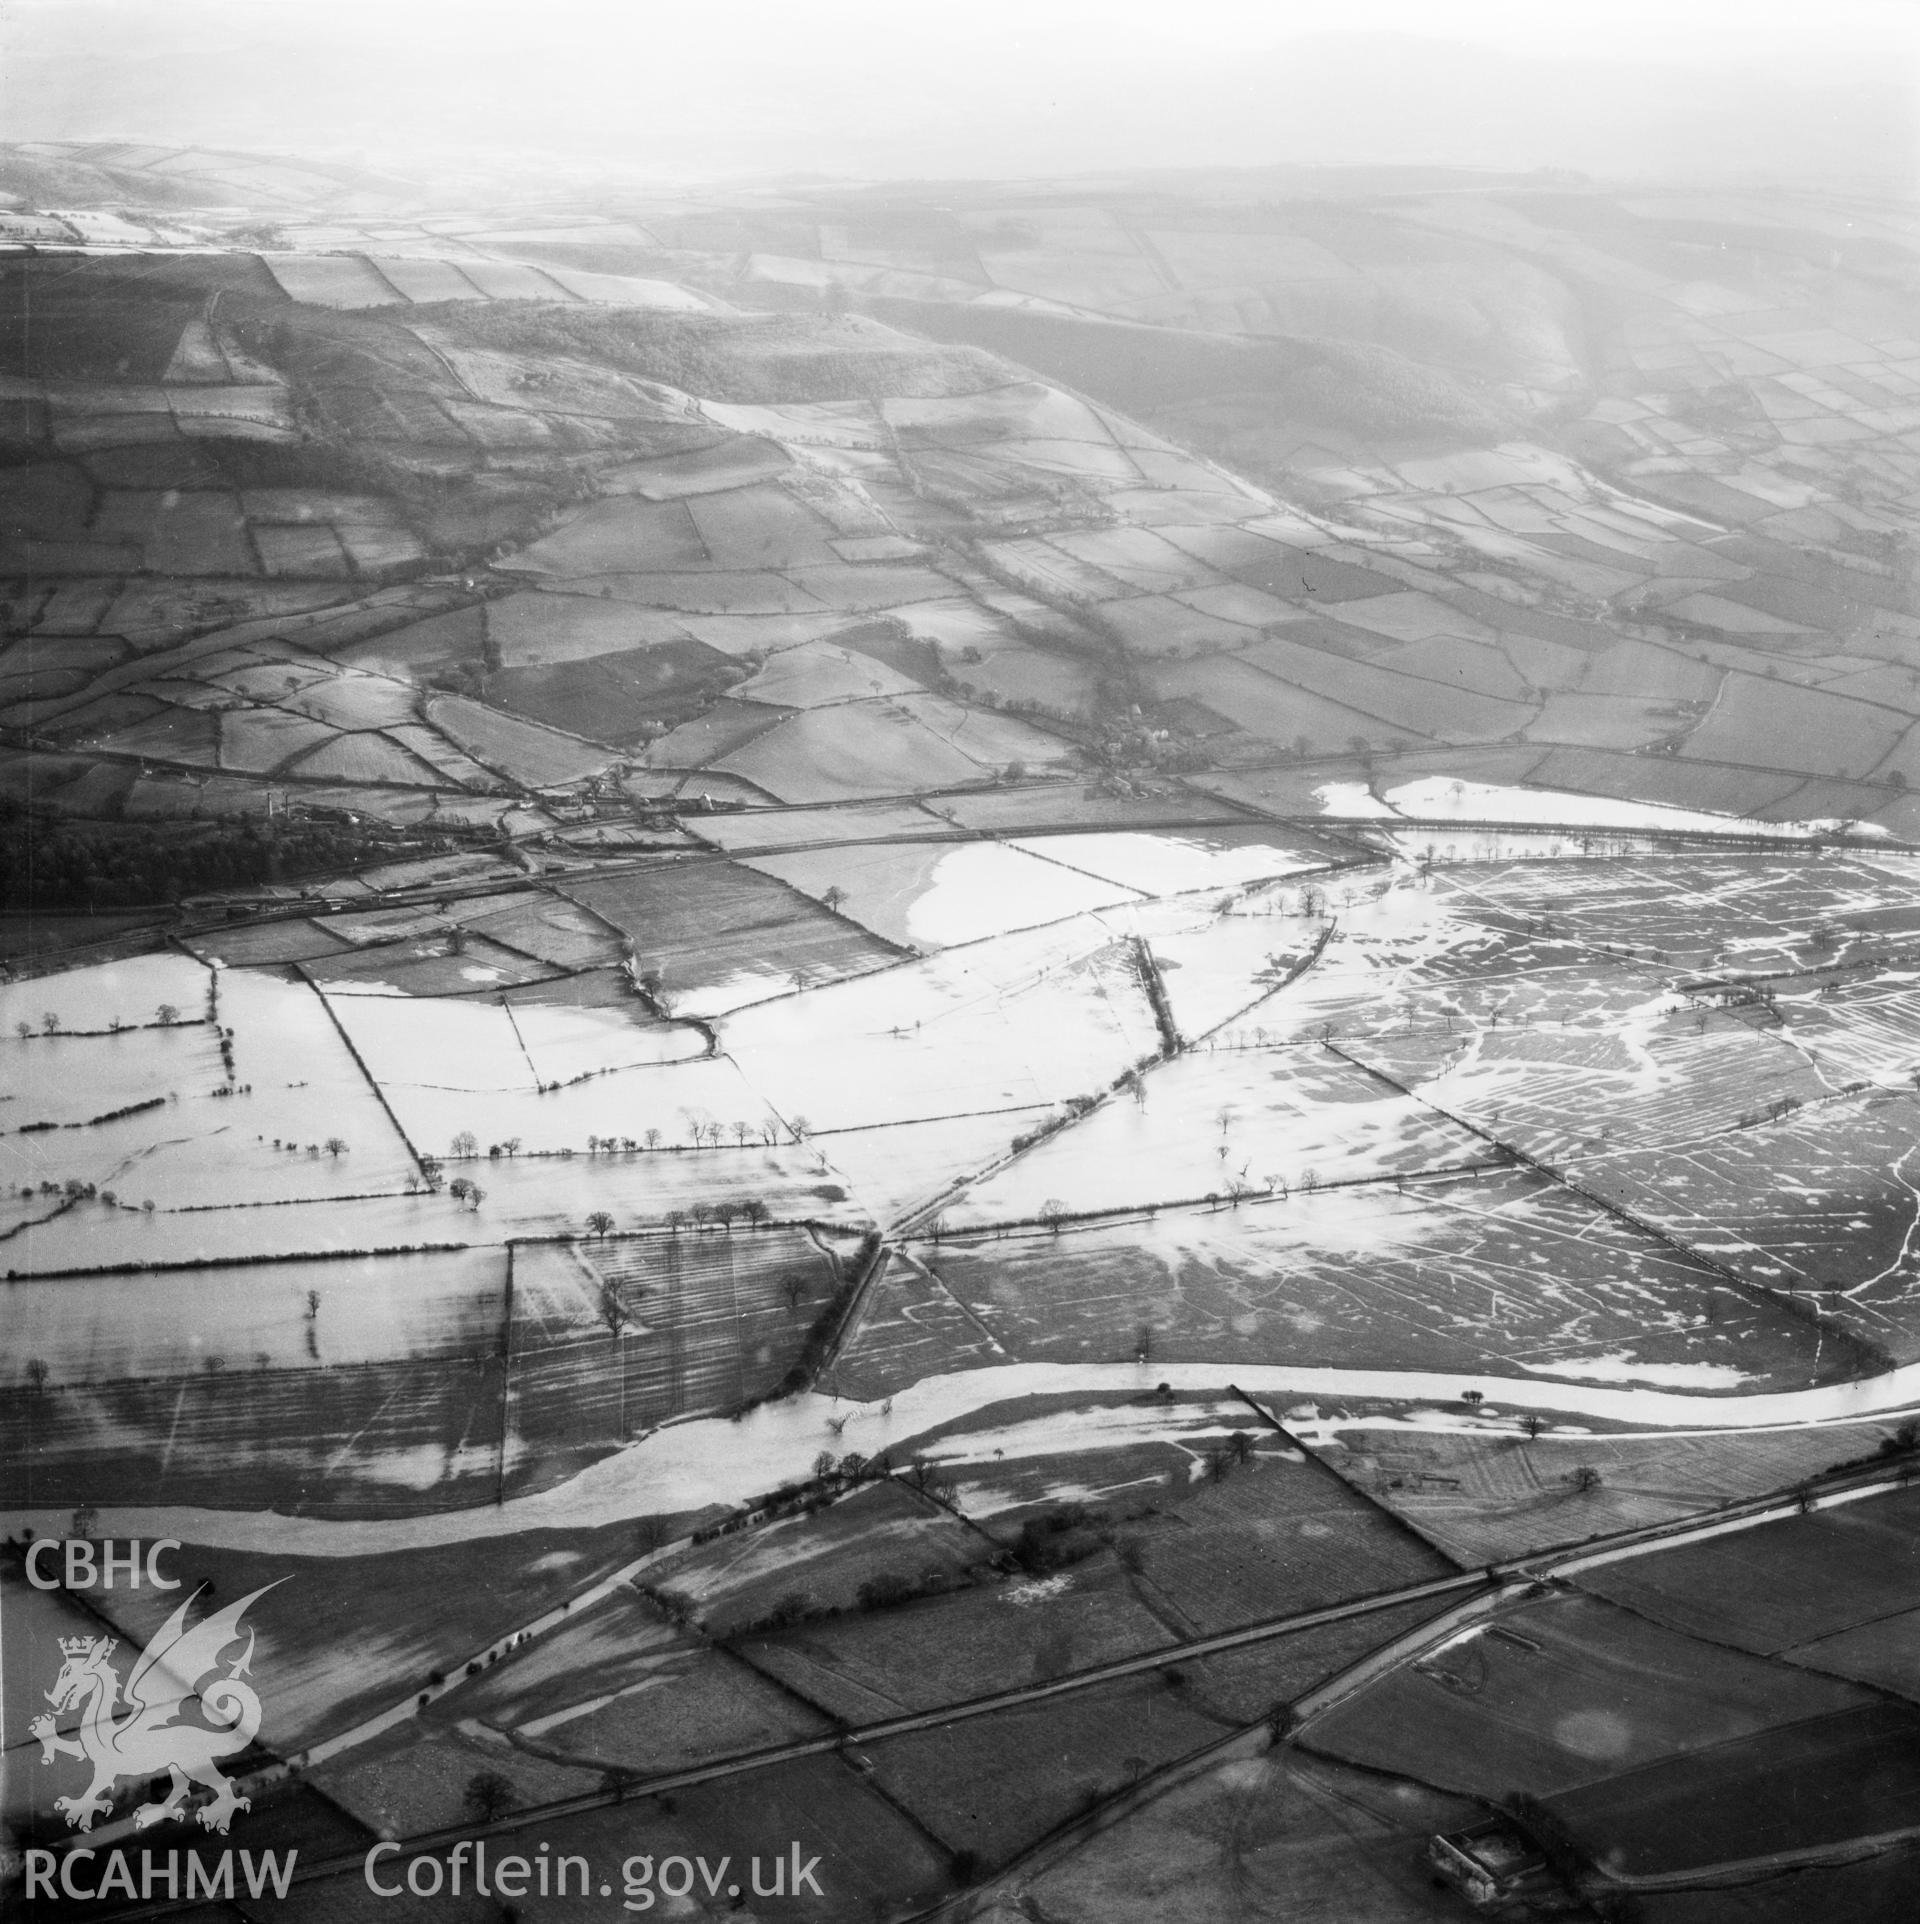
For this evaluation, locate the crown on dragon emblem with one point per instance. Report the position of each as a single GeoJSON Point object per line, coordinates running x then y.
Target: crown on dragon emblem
{"type": "Point", "coordinates": [147, 1732]}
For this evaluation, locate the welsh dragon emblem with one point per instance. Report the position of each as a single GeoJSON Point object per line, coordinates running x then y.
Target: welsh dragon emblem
{"type": "Point", "coordinates": [149, 1733]}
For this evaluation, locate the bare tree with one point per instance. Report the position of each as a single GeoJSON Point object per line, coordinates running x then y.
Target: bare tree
{"type": "Point", "coordinates": [488, 1797]}
{"type": "Point", "coordinates": [466, 1143]}
{"type": "Point", "coordinates": [600, 1223]}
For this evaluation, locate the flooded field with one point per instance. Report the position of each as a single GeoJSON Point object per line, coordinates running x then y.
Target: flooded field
{"type": "Point", "coordinates": [1057, 1036]}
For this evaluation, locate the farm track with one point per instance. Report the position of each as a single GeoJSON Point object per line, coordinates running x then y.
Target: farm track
{"type": "Point", "coordinates": [1472, 1591]}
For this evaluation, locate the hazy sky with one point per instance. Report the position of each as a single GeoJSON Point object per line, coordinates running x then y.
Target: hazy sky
{"type": "Point", "coordinates": [995, 87]}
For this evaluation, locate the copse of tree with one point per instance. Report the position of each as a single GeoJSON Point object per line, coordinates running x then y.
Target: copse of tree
{"type": "Point", "coordinates": [48, 865]}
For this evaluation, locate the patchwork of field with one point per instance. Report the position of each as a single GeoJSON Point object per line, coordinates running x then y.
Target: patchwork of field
{"type": "Point", "coordinates": [1372, 1050]}
{"type": "Point", "coordinates": [198, 595]}
{"type": "Point", "coordinates": [1719, 509]}
{"type": "Point", "coordinates": [1658, 580]}
{"type": "Point", "coordinates": [486, 1373]}
{"type": "Point", "coordinates": [1675, 570]}
{"type": "Point", "coordinates": [1667, 1723]}
{"type": "Point", "coordinates": [764, 808]}
{"type": "Point", "coordinates": [1565, 1693]}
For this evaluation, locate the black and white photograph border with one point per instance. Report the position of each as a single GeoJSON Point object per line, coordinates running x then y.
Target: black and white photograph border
{"type": "Point", "coordinates": [877, 893]}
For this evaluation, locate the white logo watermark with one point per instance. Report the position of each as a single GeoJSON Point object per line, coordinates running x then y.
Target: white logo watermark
{"type": "Point", "coordinates": [187, 1702]}
{"type": "Point", "coordinates": [139, 1730]}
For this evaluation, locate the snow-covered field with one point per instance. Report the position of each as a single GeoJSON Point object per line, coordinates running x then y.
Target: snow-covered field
{"type": "Point", "coordinates": [1023, 1075]}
